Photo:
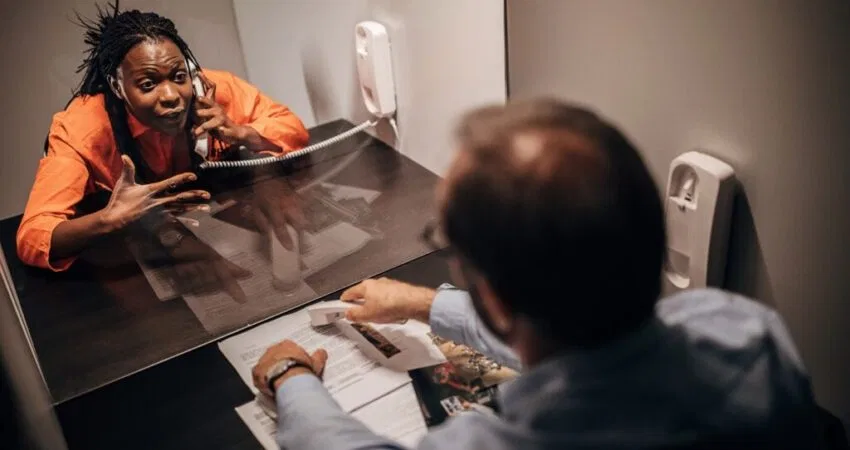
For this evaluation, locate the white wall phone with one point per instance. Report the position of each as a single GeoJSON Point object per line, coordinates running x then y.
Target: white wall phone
{"type": "Point", "coordinates": [375, 68]}
{"type": "Point", "coordinates": [377, 85]}
{"type": "Point", "coordinates": [698, 208]}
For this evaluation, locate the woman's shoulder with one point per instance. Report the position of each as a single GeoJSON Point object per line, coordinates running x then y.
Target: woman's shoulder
{"type": "Point", "coordinates": [227, 84]}
{"type": "Point", "coordinates": [82, 128]}
{"type": "Point", "coordinates": [220, 76]}
{"type": "Point", "coordinates": [84, 117]}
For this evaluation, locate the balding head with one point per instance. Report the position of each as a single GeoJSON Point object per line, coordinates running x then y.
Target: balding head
{"type": "Point", "coordinates": [556, 210]}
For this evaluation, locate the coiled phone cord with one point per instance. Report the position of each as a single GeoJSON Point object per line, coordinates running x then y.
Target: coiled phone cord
{"type": "Point", "coordinates": [297, 154]}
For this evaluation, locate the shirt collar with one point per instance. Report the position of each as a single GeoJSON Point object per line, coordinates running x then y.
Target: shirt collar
{"type": "Point", "coordinates": [548, 381]}
{"type": "Point", "coordinates": [136, 128]}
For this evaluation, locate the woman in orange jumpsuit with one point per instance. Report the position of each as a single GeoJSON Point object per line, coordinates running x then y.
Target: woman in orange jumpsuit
{"type": "Point", "coordinates": [130, 129]}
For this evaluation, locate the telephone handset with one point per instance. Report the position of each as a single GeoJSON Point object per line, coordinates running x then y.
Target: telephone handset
{"type": "Point", "coordinates": [202, 143]}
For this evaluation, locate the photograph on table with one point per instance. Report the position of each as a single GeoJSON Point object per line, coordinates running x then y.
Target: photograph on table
{"type": "Point", "coordinates": [467, 381]}
{"type": "Point", "coordinates": [443, 392]}
{"type": "Point", "coordinates": [378, 340]}
{"type": "Point", "coordinates": [471, 364]}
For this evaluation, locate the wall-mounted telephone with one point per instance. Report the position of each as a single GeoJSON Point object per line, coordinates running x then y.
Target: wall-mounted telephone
{"type": "Point", "coordinates": [377, 85]}
{"type": "Point", "coordinates": [202, 143]}
{"type": "Point", "coordinates": [698, 208]}
{"type": "Point", "coordinates": [375, 68]}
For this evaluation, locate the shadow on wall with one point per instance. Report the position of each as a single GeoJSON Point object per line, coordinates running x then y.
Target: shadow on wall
{"type": "Point", "coordinates": [746, 270]}
{"type": "Point", "coordinates": [316, 83]}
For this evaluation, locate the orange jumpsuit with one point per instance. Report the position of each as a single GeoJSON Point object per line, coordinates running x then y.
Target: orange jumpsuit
{"type": "Point", "coordinates": [82, 156]}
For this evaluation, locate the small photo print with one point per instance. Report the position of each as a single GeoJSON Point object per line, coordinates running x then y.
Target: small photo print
{"type": "Point", "coordinates": [472, 365]}
{"type": "Point", "coordinates": [377, 339]}
{"type": "Point", "coordinates": [453, 405]}
{"type": "Point", "coordinates": [444, 392]}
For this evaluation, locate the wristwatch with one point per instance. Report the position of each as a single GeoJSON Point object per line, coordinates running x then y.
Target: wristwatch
{"type": "Point", "coordinates": [280, 368]}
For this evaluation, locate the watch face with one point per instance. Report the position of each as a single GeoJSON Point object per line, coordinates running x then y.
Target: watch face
{"type": "Point", "coordinates": [280, 367]}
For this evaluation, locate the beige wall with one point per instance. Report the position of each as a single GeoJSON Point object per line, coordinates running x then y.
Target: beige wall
{"type": "Point", "coordinates": [448, 55]}
{"type": "Point", "coordinates": [41, 48]}
{"type": "Point", "coordinates": [764, 85]}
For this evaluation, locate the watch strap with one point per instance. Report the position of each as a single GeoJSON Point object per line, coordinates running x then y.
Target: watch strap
{"type": "Point", "coordinates": [280, 369]}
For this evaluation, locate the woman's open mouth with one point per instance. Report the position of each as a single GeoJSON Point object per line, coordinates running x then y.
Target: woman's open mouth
{"type": "Point", "coordinates": [173, 117]}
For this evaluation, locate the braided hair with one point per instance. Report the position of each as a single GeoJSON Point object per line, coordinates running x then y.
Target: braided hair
{"type": "Point", "coordinates": [109, 37]}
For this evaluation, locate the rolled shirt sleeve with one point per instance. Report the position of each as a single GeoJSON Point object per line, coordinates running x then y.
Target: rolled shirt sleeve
{"type": "Point", "coordinates": [453, 317]}
{"type": "Point", "coordinates": [60, 183]}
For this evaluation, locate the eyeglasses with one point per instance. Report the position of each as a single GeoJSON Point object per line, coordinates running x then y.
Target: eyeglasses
{"type": "Point", "coordinates": [436, 240]}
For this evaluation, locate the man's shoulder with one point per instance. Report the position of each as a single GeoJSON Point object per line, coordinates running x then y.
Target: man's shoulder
{"type": "Point", "coordinates": [742, 350]}
{"type": "Point", "coordinates": [728, 328]}
{"type": "Point", "coordinates": [694, 304]}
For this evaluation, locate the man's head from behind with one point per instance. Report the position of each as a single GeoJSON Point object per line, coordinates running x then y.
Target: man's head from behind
{"type": "Point", "coordinates": [556, 223]}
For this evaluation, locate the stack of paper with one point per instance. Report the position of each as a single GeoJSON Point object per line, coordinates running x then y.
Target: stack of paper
{"type": "Point", "coordinates": [366, 371]}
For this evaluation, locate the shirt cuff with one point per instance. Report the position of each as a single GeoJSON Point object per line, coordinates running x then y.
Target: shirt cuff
{"type": "Point", "coordinates": [310, 419]}
{"type": "Point", "coordinates": [450, 312]}
{"type": "Point", "coordinates": [34, 243]}
{"type": "Point", "coordinates": [297, 385]}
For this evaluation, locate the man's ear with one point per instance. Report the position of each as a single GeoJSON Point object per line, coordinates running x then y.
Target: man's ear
{"type": "Point", "coordinates": [501, 315]}
{"type": "Point", "coordinates": [115, 86]}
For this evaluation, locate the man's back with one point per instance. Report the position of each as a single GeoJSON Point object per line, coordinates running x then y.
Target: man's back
{"type": "Point", "coordinates": [713, 369]}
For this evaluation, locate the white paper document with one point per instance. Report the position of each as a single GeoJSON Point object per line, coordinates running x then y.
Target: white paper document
{"type": "Point", "coordinates": [350, 376]}
{"type": "Point", "coordinates": [261, 425]}
{"type": "Point", "coordinates": [340, 192]}
{"type": "Point", "coordinates": [395, 416]}
{"type": "Point", "coordinates": [366, 372]}
{"type": "Point", "coordinates": [330, 245]}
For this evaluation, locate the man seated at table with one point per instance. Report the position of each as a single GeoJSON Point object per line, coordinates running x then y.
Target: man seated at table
{"type": "Point", "coordinates": [555, 229]}
{"type": "Point", "coordinates": [130, 130]}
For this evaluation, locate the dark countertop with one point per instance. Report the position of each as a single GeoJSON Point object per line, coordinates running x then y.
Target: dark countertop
{"type": "Point", "coordinates": [189, 401]}
{"type": "Point", "coordinates": [101, 320]}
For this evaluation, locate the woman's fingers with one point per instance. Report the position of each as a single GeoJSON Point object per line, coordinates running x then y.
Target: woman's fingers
{"type": "Point", "coordinates": [183, 197]}
{"type": "Point", "coordinates": [172, 182]}
{"type": "Point", "coordinates": [209, 125]}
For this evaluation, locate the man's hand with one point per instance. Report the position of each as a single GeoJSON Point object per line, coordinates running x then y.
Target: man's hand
{"type": "Point", "coordinates": [386, 301]}
{"type": "Point", "coordinates": [130, 201]}
{"type": "Point", "coordinates": [275, 205]}
{"type": "Point", "coordinates": [314, 364]}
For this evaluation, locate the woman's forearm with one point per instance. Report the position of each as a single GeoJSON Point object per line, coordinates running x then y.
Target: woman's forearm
{"type": "Point", "coordinates": [75, 235]}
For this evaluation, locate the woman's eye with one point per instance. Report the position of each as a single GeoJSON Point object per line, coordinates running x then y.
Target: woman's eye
{"type": "Point", "coordinates": [146, 85]}
{"type": "Point", "coordinates": [180, 77]}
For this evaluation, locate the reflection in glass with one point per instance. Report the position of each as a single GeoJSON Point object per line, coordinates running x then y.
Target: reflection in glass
{"type": "Point", "coordinates": [323, 224]}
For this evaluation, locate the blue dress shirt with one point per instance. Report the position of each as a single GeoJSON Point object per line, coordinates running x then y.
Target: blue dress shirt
{"type": "Point", "coordinates": [712, 367]}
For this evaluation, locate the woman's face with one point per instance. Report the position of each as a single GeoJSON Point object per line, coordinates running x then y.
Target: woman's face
{"type": "Point", "coordinates": [157, 88]}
